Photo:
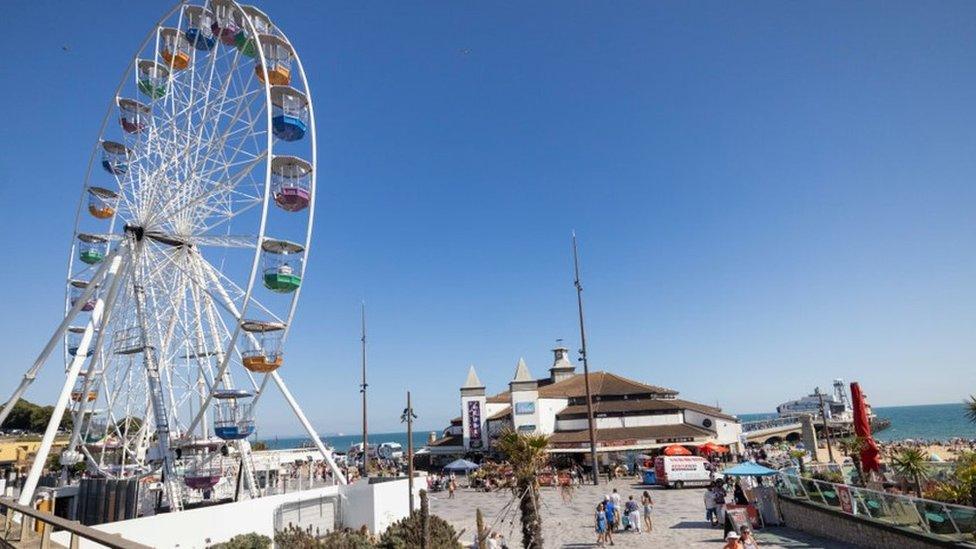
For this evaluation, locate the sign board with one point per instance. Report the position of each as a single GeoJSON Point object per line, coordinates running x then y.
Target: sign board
{"type": "Point", "coordinates": [747, 513]}
{"type": "Point", "coordinates": [526, 428]}
{"type": "Point", "coordinates": [524, 408]}
{"type": "Point", "coordinates": [474, 424]}
{"type": "Point", "coordinates": [736, 518]}
{"type": "Point", "coordinates": [844, 495]}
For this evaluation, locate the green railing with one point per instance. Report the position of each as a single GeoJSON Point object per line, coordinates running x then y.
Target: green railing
{"type": "Point", "coordinates": [945, 520]}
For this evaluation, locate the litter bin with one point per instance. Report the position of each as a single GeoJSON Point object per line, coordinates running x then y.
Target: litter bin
{"type": "Point", "coordinates": [650, 477]}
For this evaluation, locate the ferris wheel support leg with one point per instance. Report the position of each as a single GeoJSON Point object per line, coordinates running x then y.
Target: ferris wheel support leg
{"type": "Point", "coordinates": [113, 292]}
{"type": "Point", "coordinates": [293, 404]}
{"type": "Point", "coordinates": [157, 399]}
{"type": "Point", "coordinates": [40, 460]}
{"type": "Point", "coordinates": [56, 338]}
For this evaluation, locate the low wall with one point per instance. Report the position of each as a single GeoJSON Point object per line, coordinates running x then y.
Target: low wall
{"type": "Point", "coordinates": [829, 523]}
{"type": "Point", "coordinates": [374, 505]}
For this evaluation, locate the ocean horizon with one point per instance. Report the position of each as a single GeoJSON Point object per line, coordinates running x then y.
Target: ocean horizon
{"type": "Point", "coordinates": [924, 421]}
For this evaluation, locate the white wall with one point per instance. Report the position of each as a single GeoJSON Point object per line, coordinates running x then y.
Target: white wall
{"type": "Point", "coordinates": [618, 422]}
{"type": "Point", "coordinates": [547, 408]}
{"type": "Point", "coordinates": [726, 431]}
{"type": "Point", "coordinates": [375, 505]}
{"type": "Point", "coordinates": [519, 420]}
{"type": "Point", "coordinates": [493, 408]}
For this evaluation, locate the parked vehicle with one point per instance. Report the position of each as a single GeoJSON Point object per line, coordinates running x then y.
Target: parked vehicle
{"type": "Point", "coordinates": [681, 471]}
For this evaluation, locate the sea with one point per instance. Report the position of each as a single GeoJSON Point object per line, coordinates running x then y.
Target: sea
{"type": "Point", "coordinates": [342, 442]}
{"type": "Point", "coordinates": [927, 422]}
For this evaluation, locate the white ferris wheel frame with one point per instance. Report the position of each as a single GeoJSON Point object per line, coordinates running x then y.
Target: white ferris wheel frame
{"type": "Point", "coordinates": [121, 266]}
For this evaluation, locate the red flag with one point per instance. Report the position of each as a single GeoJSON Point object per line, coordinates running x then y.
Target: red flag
{"type": "Point", "coordinates": [870, 456]}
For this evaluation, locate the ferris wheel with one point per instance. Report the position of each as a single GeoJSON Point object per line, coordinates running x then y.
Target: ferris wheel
{"type": "Point", "coordinates": [188, 253]}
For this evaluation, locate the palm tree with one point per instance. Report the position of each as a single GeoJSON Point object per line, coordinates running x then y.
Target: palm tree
{"type": "Point", "coordinates": [526, 454]}
{"type": "Point", "coordinates": [852, 446]}
{"type": "Point", "coordinates": [912, 463]}
{"type": "Point", "coordinates": [798, 455]}
{"type": "Point", "coordinates": [971, 408]}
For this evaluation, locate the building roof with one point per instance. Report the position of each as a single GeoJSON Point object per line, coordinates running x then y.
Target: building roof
{"type": "Point", "coordinates": [501, 414]}
{"type": "Point", "coordinates": [681, 430]}
{"type": "Point", "coordinates": [601, 383]}
{"type": "Point", "coordinates": [456, 421]}
{"type": "Point", "coordinates": [450, 440]}
{"type": "Point", "coordinates": [522, 372]}
{"type": "Point", "coordinates": [643, 405]}
{"type": "Point", "coordinates": [472, 382]}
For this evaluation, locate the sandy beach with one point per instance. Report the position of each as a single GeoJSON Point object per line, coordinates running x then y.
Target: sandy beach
{"type": "Point", "coordinates": [679, 519]}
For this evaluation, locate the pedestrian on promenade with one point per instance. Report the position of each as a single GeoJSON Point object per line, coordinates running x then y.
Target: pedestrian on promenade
{"type": "Point", "coordinates": [710, 515]}
{"type": "Point", "coordinates": [451, 487]}
{"type": "Point", "coordinates": [748, 540]}
{"type": "Point", "coordinates": [732, 541]}
{"type": "Point", "coordinates": [601, 524]}
{"type": "Point", "coordinates": [633, 514]}
{"type": "Point", "coordinates": [740, 496]}
{"type": "Point", "coordinates": [611, 513]}
{"type": "Point", "coordinates": [648, 506]}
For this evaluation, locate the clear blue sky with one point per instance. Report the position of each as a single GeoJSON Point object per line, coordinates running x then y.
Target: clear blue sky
{"type": "Point", "coordinates": [768, 194]}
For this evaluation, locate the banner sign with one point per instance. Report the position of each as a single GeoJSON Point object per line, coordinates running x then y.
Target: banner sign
{"type": "Point", "coordinates": [524, 408]}
{"type": "Point", "coordinates": [474, 423]}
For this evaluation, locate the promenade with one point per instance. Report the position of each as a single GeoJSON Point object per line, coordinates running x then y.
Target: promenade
{"type": "Point", "coordinates": [679, 519]}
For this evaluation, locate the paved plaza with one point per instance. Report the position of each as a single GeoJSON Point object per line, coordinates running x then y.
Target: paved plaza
{"type": "Point", "coordinates": [679, 519]}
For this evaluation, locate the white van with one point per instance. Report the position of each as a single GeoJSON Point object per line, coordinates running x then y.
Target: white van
{"type": "Point", "coordinates": [681, 471]}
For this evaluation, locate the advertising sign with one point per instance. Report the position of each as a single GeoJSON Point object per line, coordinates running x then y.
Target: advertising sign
{"type": "Point", "coordinates": [844, 495]}
{"type": "Point", "coordinates": [524, 408]}
{"type": "Point", "coordinates": [474, 424]}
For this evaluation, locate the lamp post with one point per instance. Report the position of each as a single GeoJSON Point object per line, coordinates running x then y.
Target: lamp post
{"type": "Point", "coordinates": [586, 365]}
{"type": "Point", "coordinates": [407, 417]}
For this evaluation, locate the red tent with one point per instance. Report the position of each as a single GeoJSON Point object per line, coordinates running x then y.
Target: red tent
{"type": "Point", "coordinates": [677, 450]}
{"type": "Point", "coordinates": [870, 460]}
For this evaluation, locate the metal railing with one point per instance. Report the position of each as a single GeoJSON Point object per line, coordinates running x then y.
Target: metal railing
{"type": "Point", "coordinates": [763, 424]}
{"type": "Point", "coordinates": [32, 524]}
{"type": "Point", "coordinates": [944, 520]}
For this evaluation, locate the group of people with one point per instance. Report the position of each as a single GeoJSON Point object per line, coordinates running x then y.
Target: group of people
{"type": "Point", "coordinates": [745, 540]}
{"type": "Point", "coordinates": [613, 514]}
{"type": "Point", "coordinates": [717, 497]}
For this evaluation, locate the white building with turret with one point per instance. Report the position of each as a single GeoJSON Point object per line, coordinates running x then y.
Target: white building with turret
{"type": "Point", "coordinates": [628, 415]}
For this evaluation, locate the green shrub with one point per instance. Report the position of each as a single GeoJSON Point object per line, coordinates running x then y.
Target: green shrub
{"type": "Point", "coordinates": [408, 532]}
{"type": "Point", "coordinates": [294, 537]}
{"type": "Point", "coordinates": [245, 541]}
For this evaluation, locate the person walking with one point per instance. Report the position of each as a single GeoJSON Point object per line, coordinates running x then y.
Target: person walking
{"type": "Point", "coordinates": [618, 509]}
{"type": "Point", "coordinates": [451, 487]}
{"type": "Point", "coordinates": [633, 514]}
{"type": "Point", "coordinates": [648, 505]}
{"type": "Point", "coordinates": [748, 540]}
{"type": "Point", "coordinates": [732, 541]}
{"type": "Point", "coordinates": [601, 524]}
{"type": "Point", "coordinates": [710, 515]}
{"type": "Point", "coordinates": [610, 512]}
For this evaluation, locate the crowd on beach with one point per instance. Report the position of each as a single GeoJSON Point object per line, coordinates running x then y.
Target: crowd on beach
{"type": "Point", "coordinates": [945, 448]}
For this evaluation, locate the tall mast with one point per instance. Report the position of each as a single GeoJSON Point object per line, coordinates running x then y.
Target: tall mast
{"type": "Point", "coordinates": [586, 365]}
{"type": "Point", "coordinates": [362, 389]}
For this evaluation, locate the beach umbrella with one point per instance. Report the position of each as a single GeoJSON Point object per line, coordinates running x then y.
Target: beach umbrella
{"type": "Point", "coordinates": [677, 450]}
{"type": "Point", "coordinates": [870, 460]}
{"type": "Point", "coordinates": [749, 469]}
{"type": "Point", "coordinates": [712, 448]}
{"type": "Point", "coordinates": [461, 465]}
